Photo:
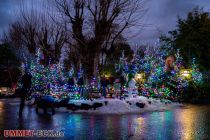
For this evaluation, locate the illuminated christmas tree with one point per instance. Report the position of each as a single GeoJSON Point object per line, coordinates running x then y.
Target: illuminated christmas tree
{"type": "Point", "coordinates": [166, 77]}
{"type": "Point", "coordinates": [46, 79]}
{"type": "Point", "coordinates": [197, 76]}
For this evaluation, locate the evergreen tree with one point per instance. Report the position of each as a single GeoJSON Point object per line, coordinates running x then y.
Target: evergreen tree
{"type": "Point", "coordinates": [165, 74]}
{"type": "Point", "coordinates": [192, 38]}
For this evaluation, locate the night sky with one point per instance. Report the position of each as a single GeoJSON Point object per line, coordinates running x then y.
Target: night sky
{"type": "Point", "coordinates": [160, 17]}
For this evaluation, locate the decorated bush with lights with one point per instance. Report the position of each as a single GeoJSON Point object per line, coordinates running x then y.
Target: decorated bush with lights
{"type": "Point", "coordinates": [47, 79]}
{"type": "Point", "coordinates": [165, 74]}
{"type": "Point", "coordinates": [157, 73]}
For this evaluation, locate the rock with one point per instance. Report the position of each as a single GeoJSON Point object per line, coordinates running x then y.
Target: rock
{"type": "Point", "coordinates": [63, 103]}
{"type": "Point", "coordinates": [106, 103]}
{"type": "Point", "coordinates": [72, 107]}
{"type": "Point", "coordinates": [128, 102]}
{"type": "Point", "coordinates": [140, 105]}
{"type": "Point", "coordinates": [167, 102]}
{"type": "Point", "coordinates": [96, 105]}
{"type": "Point", "coordinates": [85, 106]}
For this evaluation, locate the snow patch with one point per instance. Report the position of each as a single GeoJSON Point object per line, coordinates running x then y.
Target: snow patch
{"type": "Point", "coordinates": [117, 106]}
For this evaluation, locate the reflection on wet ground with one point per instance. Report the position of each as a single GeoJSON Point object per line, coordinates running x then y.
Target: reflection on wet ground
{"type": "Point", "coordinates": [191, 122]}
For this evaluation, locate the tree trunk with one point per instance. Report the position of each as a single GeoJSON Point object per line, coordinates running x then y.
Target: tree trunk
{"type": "Point", "coordinates": [90, 64]}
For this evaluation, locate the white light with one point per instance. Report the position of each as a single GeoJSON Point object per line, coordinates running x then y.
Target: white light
{"type": "Point", "coordinates": [186, 73]}
{"type": "Point", "coordinates": [139, 76]}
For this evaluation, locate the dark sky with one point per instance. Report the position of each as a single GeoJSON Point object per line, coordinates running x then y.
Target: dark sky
{"type": "Point", "coordinates": [160, 17]}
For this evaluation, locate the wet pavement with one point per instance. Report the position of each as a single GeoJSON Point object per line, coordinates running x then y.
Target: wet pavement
{"type": "Point", "coordinates": [191, 122]}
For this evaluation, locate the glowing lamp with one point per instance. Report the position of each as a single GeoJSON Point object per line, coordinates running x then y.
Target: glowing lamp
{"type": "Point", "coordinates": [106, 74]}
{"type": "Point", "coordinates": [3, 89]}
{"type": "Point", "coordinates": [185, 73]}
{"type": "Point", "coordinates": [139, 77]}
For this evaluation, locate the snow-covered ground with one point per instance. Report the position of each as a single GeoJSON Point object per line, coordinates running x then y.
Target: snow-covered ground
{"type": "Point", "coordinates": [117, 106]}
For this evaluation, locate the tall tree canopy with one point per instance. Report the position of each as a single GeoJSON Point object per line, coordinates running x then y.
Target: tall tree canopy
{"type": "Point", "coordinates": [95, 25]}
{"type": "Point", "coordinates": [34, 30]}
{"type": "Point", "coordinates": [192, 37]}
{"type": "Point", "coordinates": [84, 28]}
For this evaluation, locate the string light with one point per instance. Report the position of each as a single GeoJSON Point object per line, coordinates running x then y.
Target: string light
{"type": "Point", "coordinates": [151, 70]}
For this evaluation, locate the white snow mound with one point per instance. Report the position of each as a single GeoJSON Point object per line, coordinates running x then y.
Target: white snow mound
{"type": "Point", "coordinates": [117, 106]}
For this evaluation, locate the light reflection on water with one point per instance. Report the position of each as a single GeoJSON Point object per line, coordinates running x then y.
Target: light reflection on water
{"type": "Point", "coordinates": [195, 123]}
{"type": "Point", "coordinates": [1, 107]}
{"type": "Point", "coordinates": [188, 123]}
{"type": "Point", "coordinates": [185, 123]}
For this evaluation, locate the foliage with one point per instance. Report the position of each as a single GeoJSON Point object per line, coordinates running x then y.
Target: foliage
{"type": "Point", "coordinates": [116, 56]}
{"type": "Point", "coordinates": [192, 38]}
{"type": "Point", "coordinates": [7, 55]}
{"type": "Point", "coordinates": [95, 26]}
{"type": "Point", "coordinates": [46, 79]}
{"type": "Point", "coordinates": [9, 63]}
{"type": "Point", "coordinates": [165, 75]}
{"type": "Point", "coordinates": [115, 52]}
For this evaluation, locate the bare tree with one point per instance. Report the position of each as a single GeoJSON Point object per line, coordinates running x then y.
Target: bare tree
{"type": "Point", "coordinates": [23, 33]}
{"type": "Point", "coordinates": [36, 30]}
{"type": "Point", "coordinates": [51, 39]}
{"type": "Point", "coordinates": [95, 25]}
